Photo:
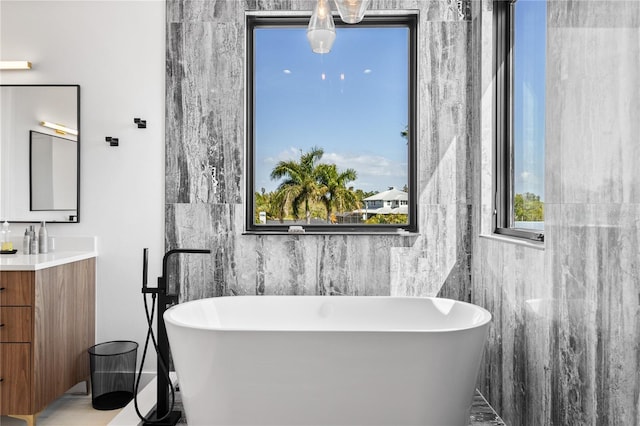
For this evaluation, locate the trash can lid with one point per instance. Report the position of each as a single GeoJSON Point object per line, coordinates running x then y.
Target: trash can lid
{"type": "Point", "coordinates": [116, 347]}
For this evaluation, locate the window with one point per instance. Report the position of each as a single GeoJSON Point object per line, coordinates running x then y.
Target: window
{"type": "Point", "coordinates": [331, 137]}
{"type": "Point", "coordinates": [520, 68]}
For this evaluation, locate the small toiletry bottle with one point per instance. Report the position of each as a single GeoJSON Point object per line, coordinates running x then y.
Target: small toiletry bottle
{"type": "Point", "coordinates": [34, 240]}
{"type": "Point", "coordinates": [26, 242]}
{"type": "Point", "coordinates": [7, 245]}
{"type": "Point", "coordinates": [42, 238]}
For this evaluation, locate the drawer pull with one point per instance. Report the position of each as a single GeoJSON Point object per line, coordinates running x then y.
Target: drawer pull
{"type": "Point", "coordinates": [2, 288]}
{"type": "Point", "coordinates": [1, 325]}
{"type": "Point", "coordinates": [1, 379]}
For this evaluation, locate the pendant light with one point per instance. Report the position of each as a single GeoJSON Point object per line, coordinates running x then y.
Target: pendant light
{"type": "Point", "coordinates": [321, 32]}
{"type": "Point", "coordinates": [352, 11]}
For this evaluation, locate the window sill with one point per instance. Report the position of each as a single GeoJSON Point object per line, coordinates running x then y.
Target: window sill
{"type": "Point", "coordinates": [514, 240]}
{"type": "Point", "coordinates": [336, 233]}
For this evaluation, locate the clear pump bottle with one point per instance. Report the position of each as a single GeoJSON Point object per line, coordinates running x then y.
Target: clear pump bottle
{"type": "Point", "coordinates": [34, 240]}
{"type": "Point", "coordinates": [6, 245]}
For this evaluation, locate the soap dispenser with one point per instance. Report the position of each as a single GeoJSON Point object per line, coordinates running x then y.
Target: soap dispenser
{"type": "Point", "coordinates": [43, 238]}
{"type": "Point", "coordinates": [34, 240]}
{"type": "Point", "coordinates": [7, 245]}
{"type": "Point", "coordinates": [26, 242]}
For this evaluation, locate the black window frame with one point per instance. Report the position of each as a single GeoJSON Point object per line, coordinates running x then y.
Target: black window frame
{"type": "Point", "coordinates": [503, 45]}
{"type": "Point", "coordinates": [409, 20]}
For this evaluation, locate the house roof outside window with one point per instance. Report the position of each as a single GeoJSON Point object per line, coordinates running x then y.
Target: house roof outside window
{"type": "Point", "coordinates": [392, 194]}
{"type": "Point", "coordinates": [392, 203]}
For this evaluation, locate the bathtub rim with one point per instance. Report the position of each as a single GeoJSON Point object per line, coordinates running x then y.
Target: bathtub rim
{"type": "Point", "coordinates": [485, 320]}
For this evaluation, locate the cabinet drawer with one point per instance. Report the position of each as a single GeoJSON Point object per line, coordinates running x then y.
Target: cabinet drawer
{"type": "Point", "coordinates": [15, 378]}
{"type": "Point", "coordinates": [15, 324]}
{"type": "Point", "coordinates": [16, 288]}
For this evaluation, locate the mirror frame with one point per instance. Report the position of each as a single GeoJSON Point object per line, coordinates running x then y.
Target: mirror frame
{"type": "Point", "coordinates": [72, 218]}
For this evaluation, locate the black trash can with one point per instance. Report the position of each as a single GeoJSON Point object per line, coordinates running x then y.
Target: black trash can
{"type": "Point", "coordinates": [113, 372]}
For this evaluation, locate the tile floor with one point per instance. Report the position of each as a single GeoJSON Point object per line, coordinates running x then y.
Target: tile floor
{"type": "Point", "coordinates": [74, 409]}
{"type": "Point", "coordinates": [68, 410]}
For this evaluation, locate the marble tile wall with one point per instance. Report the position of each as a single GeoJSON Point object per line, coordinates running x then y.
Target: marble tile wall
{"type": "Point", "coordinates": [205, 165]}
{"type": "Point", "coordinates": [564, 347]}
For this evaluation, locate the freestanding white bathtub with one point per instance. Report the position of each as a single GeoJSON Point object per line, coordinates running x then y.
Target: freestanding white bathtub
{"type": "Point", "coordinates": [320, 360]}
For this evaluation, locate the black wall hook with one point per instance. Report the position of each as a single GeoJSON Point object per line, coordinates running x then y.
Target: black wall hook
{"type": "Point", "coordinates": [112, 141]}
{"type": "Point", "coordinates": [142, 124]}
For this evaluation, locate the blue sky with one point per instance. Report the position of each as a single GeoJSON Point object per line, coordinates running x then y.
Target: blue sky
{"type": "Point", "coordinates": [529, 75]}
{"type": "Point", "coordinates": [352, 102]}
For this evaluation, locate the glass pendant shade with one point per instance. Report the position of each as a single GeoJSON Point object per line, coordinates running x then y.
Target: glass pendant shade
{"type": "Point", "coordinates": [352, 11]}
{"type": "Point", "coordinates": [321, 32]}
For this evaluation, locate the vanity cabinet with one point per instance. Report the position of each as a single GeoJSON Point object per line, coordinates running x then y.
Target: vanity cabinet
{"type": "Point", "coordinates": [47, 323]}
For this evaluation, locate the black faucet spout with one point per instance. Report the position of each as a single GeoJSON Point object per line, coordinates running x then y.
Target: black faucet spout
{"type": "Point", "coordinates": [162, 281]}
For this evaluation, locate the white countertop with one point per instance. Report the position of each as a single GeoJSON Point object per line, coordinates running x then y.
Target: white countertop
{"type": "Point", "coordinates": [67, 250]}
{"type": "Point", "coordinates": [34, 262]}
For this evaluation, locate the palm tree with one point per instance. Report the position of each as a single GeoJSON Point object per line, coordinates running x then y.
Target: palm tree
{"type": "Point", "coordinates": [335, 194]}
{"type": "Point", "coordinates": [301, 182]}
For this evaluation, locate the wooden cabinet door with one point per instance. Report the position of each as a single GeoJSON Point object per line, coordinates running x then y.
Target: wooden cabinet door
{"type": "Point", "coordinates": [15, 324]}
{"type": "Point", "coordinates": [15, 376]}
{"type": "Point", "coordinates": [16, 288]}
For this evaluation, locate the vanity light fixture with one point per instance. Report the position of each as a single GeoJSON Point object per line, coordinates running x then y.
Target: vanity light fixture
{"type": "Point", "coordinates": [352, 11]}
{"type": "Point", "coordinates": [321, 31]}
{"type": "Point", "coordinates": [15, 65]}
{"type": "Point", "coordinates": [59, 129]}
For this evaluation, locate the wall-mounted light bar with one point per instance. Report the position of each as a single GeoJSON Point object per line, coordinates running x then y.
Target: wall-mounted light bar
{"type": "Point", "coordinates": [60, 129]}
{"type": "Point", "coordinates": [15, 65]}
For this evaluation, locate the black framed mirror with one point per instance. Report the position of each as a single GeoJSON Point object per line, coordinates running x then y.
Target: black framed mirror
{"type": "Point", "coordinates": [40, 153]}
{"type": "Point", "coordinates": [52, 173]}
